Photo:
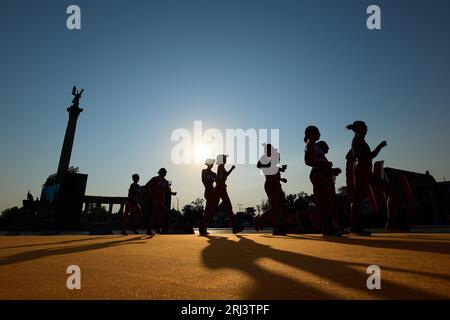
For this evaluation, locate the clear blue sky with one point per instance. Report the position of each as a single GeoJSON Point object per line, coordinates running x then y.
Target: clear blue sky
{"type": "Point", "coordinates": [150, 67]}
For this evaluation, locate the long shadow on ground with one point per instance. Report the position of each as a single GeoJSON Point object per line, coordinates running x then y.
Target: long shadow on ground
{"type": "Point", "coordinates": [54, 243]}
{"type": "Point", "coordinates": [244, 254]}
{"type": "Point", "coordinates": [436, 246]}
{"type": "Point", "coordinates": [47, 252]}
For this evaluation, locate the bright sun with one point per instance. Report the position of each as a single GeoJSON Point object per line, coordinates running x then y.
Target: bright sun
{"type": "Point", "coordinates": [202, 152]}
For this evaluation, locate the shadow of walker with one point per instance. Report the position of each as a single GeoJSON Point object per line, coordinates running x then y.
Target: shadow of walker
{"type": "Point", "coordinates": [243, 255]}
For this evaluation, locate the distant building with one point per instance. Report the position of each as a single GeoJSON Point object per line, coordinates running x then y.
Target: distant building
{"type": "Point", "coordinates": [421, 200]}
{"type": "Point", "coordinates": [444, 193]}
{"type": "Point", "coordinates": [418, 195]}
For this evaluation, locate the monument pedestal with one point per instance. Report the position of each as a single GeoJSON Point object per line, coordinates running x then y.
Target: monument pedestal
{"type": "Point", "coordinates": [63, 193]}
{"type": "Point", "coordinates": [63, 201]}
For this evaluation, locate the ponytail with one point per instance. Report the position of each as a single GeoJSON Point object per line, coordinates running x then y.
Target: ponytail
{"type": "Point", "coordinates": [357, 126]}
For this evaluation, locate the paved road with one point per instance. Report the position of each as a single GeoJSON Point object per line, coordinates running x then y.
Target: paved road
{"type": "Point", "coordinates": [225, 266]}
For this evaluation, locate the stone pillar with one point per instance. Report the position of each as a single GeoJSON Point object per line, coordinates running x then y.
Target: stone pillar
{"type": "Point", "coordinates": [66, 152]}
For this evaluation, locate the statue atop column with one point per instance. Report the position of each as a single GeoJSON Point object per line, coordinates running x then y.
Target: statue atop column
{"type": "Point", "coordinates": [66, 152]}
{"type": "Point", "coordinates": [77, 95]}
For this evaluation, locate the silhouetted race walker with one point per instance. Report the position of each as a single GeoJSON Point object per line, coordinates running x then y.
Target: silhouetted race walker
{"type": "Point", "coordinates": [320, 179]}
{"type": "Point", "coordinates": [331, 174]}
{"type": "Point", "coordinates": [159, 188]}
{"type": "Point", "coordinates": [211, 207]}
{"type": "Point", "coordinates": [221, 190]}
{"type": "Point", "coordinates": [132, 203]}
{"type": "Point", "coordinates": [269, 165]}
{"type": "Point", "coordinates": [364, 177]}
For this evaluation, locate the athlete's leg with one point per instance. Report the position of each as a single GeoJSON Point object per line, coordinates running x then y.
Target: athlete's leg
{"type": "Point", "coordinates": [362, 182]}
{"type": "Point", "coordinates": [273, 198]}
{"type": "Point", "coordinates": [362, 178]}
{"type": "Point", "coordinates": [223, 195]}
{"type": "Point", "coordinates": [138, 216]}
{"type": "Point", "coordinates": [390, 197]}
{"type": "Point", "coordinates": [162, 214]}
{"type": "Point", "coordinates": [128, 207]}
{"type": "Point", "coordinates": [283, 213]}
{"type": "Point", "coordinates": [350, 181]}
{"type": "Point", "coordinates": [321, 198]}
{"type": "Point", "coordinates": [334, 205]}
{"type": "Point", "coordinates": [211, 207]}
{"type": "Point", "coordinates": [156, 212]}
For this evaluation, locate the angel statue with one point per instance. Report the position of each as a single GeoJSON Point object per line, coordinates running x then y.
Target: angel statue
{"type": "Point", "coordinates": [77, 96]}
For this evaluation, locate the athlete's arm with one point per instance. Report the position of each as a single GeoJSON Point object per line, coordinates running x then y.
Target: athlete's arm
{"type": "Point", "coordinates": [261, 165]}
{"type": "Point", "coordinates": [227, 173]}
{"type": "Point", "coordinates": [377, 150]}
{"type": "Point", "coordinates": [336, 171]}
{"type": "Point", "coordinates": [204, 180]}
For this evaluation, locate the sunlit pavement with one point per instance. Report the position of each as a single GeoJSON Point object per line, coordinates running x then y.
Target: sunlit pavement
{"type": "Point", "coordinates": [225, 266]}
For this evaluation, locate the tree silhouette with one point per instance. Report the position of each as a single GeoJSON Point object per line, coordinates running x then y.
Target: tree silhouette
{"type": "Point", "coordinates": [192, 212]}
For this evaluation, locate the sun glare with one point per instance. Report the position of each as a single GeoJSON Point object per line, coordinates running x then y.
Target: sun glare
{"type": "Point", "coordinates": [202, 152]}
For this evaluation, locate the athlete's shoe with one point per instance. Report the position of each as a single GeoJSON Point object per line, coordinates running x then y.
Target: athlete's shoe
{"type": "Point", "coordinates": [279, 231]}
{"type": "Point", "coordinates": [237, 229]}
{"type": "Point", "coordinates": [332, 233]}
{"type": "Point", "coordinates": [202, 230]}
{"type": "Point", "coordinates": [124, 233]}
{"type": "Point", "coordinates": [360, 231]}
{"type": "Point", "coordinates": [149, 232]}
{"type": "Point", "coordinates": [158, 230]}
{"type": "Point", "coordinates": [393, 228]}
{"type": "Point", "coordinates": [136, 232]}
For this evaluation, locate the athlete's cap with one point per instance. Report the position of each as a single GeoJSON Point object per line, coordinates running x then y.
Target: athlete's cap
{"type": "Point", "coordinates": [220, 158]}
{"type": "Point", "coordinates": [162, 170]}
{"type": "Point", "coordinates": [209, 162]}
